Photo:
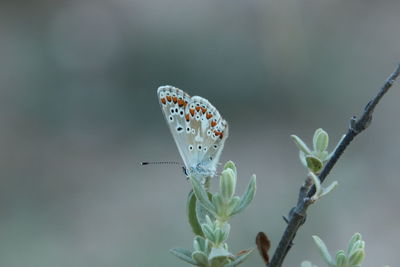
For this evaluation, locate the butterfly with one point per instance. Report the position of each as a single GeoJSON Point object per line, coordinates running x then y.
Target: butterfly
{"type": "Point", "coordinates": [198, 129]}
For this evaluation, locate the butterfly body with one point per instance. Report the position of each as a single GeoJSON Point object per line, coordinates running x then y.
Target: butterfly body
{"type": "Point", "coordinates": [197, 127]}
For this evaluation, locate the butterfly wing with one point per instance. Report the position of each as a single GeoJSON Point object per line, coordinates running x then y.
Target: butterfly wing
{"type": "Point", "coordinates": [173, 103]}
{"type": "Point", "coordinates": [198, 129]}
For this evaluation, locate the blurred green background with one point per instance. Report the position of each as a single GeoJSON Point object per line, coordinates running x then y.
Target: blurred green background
{"type": "Point", "coordinates": [78, 112]}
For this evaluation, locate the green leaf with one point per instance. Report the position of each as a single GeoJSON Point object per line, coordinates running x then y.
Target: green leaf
{"type": "Point", "coordinates": [218, 236]}
{"type": "Point", "coordinates": [247, 196]}
{"type": "Point", "coordinates": [341, 260]}
{"type": "Point", "coordinates": [232, 204]}
{"type": "Point", "coordinates": [199, 244]}
{"type": "Point", "coordinates": [218, 252]}
{"type": "Point", "coordinates": [200, 258]}
{"type": "Point", "coordinates": [225, 232]}
{"type": "Point", "coordinates": [208, 232]}
{"type": "Point", "coordinates": [328, 189]}
{"type": "Point", "coordinates": [191, 212]}
{"type": "Point", "coordinates": [302, 157]}
{"type": "Point", "coordinates": [241, 258]}
{"type": "Point", "coordinates": [320, 140]}
{"type": "Point", "coordinates": [183, 254]}
{"type": "Point", "coordinates": [323, 156]}
{"type": "Point", "coordinates": [219, 261]}
{"type": "Point", "coordinates": [324, 251]}
{"type": "Point", "coordinates": [356, 237]}
{"type": "Point", "coordinates": [227, 184]}
{"type": "Point", "coordinates": [202, 212]}
{"type": "Point", "coordinates": [300, 144]}
{"type": "Point", "coordinates": [356, 257]}
{"type": "Point", "coordinates": [202, 196]}
{"type": "Point", "coordinates": [230, 165]}
{"type": "Point", "coordinates": [219, 205]}
{"type": "Point", "coordinates": [314, 163]}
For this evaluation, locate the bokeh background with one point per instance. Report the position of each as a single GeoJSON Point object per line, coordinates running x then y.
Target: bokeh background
{"type": "Point", "coordinates": [78, 112]}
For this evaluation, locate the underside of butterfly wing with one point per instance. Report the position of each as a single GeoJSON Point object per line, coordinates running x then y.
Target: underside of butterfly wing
{"type": "Point", "coordinates": [197, 127]}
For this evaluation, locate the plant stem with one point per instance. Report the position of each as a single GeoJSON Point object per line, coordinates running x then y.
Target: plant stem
{"type": "Point", "coordinates": [297, 215]}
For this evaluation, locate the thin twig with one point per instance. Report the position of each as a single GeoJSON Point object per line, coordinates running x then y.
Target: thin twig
{"type": "Point", "coordinates": [297, 215]}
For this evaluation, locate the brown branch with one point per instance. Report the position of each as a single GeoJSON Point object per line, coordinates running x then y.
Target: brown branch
{"type": "Point", "coordinates": [297, 215]}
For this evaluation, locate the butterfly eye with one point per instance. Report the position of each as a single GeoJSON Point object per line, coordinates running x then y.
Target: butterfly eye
{"type": "Point", "coordinates": [215, 146]}
{"type": "Point", "coordinates": [190, 147]}
{"type": "Point", "coordinates": [179, 129]}
{"type": "Point", "coordinates": [172, 111]}
{"type": "Point", "coordinates": [188, 129]}
{"type": "Point", "coordinates": [205, 149]}
{"type": "Point", "coordinates": [162, 94]}
{"type": "Point", "coordinates": [199, 147]}
{"type": "Point", "coordinates": [171, 119]}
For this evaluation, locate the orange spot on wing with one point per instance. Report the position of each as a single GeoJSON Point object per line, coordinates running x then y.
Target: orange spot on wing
{"type": "Point", "coordinates": [163, 101]}
{"type": "Point", "coordinates": [191, 111]}
{"type": "Point", "coordinates": [187, 117]}
{"type": "Point", "coordinates": [175, 99]}
{"type": "Point", "coordinates": [197, 108]}
{"type": "Point", "coordinates": [204, 110]}
{"type": "Point", "coordinates": [221, 135]}
{"type": "Point", "coordinates": [181, 102]}
{"type": "Point", "coordinates": [169, 98]}
{"type": "Point", "coordinates": [208, 116]}
{"type": "Point", "coordinates": [217, 133]}
{"type": "Point", "coordinates": [213, 123]}
{"type": "Point", "coordinates": [185, 104]}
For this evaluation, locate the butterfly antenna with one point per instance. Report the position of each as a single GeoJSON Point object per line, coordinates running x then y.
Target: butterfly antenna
{"type": "Point", "coordinates": [160, 162]}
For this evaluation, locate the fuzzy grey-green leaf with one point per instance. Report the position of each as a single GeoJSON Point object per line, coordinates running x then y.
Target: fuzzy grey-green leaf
{"type": "Point", "coordinates": [341, 260]}
{"type": "Point", "coordinates": [217, 252]}
{"type": "Point", "coordinates": [302, 157]}
{"type": "Point", "coordinates": [232, 204]}
{"type": "Point", "coordinates": [199, 244]}
{"type": "Point", "coordinates": [247, 196]}
{"type": "Point", "coordinates": [241, 258]}
{"type": "Point", "coordinates": [200, 258]}
{"type": "Point", "coordinates": [356, 237]}
{"type": "Point", "coordinates": [300, 144]}
{"type": "Point", "coordinates": [356, 257]}
{"type": "Point", "coordinates": [321, 140]}
{"type": "Point", "coordinates": [183, 254]}
{"type": "Point", "coordinates": [314, 163]}
{"type": "Point", "coordinates": [227, 184]}
{"type": "Point", "coordinates": [324, 251]}
{"type": "Point", "coordinates": [202, 212]}
{"type": "Point", "coordinates": [202, 196]}
{"type": "Point", "coordinates": [191, 213]}
{"type": "Point", "coordinates": [230, 165]}
{"type": "Point", "coordinates": [208, 232]}
{"type": "Point", "coordinates": [218, 203]}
